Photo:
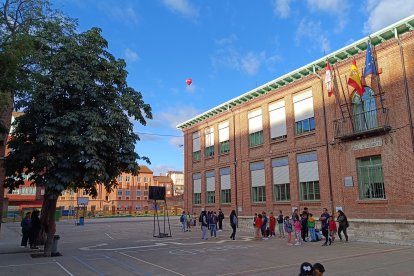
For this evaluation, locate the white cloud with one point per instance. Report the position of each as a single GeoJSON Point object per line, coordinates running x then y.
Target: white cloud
{"type": "Point", "coordinates": [130, 55]}
{"type": "Point", "coordinates": [385, 12]}
{"type": "Point", "coordinates": [337, 8]}
{"type": "Point", "coordinates": [251, 62]}
{"type": "Point", "coordinates": [162, 169]}
{"type": "Point", "coordinates": [182, 7]}
{"type": "Point", "coordinates": [175, 115]}
{"type": "Point", "coordinates": [177, 141]}
{"type": "Point", "coordinates": [122, 13]}
{"type": "Point", "coordinates": [282, 8]}
{"type": "Point", "coordinates": [314, 33]}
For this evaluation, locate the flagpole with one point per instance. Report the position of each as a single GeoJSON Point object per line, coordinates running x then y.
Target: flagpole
{"type": "Point", "coordinates": [350, 117]}
{"type": "Point", "coordinates": [336, 92]}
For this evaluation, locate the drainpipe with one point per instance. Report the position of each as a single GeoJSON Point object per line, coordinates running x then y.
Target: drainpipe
{"type": "Point", "coordinates": [326, 141]}
{"type": "Point", "coordinates": [407, 95]}
{"type": "Point", "coordinates": [235, 157]}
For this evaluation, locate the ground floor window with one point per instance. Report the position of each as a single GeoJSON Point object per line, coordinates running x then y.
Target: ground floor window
{"type": "Point", "coordinates": [281, 192]}
{"type": "Point", "coordinates": [211, 197]}
{"type": "Point", "coordinates": [310, 190]}
{"type": "Point", "coordinates": [259, 194]}
{"type": "Point", "coordinates": [226, 196]}
{"type": "Point", "coordinates": [370, 178]}
{"type": "Point", "coordinates": [197, 198]}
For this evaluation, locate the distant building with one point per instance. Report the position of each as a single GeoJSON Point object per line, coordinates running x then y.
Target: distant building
{"type": "Point", "coordinates": [178, 179]}
{"type": "Point", "coordinates": [164, 181]}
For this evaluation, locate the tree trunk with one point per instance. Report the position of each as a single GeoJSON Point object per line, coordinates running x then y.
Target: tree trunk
{"type": "Point", "coordinates": [48, 221]}
{"type": "Point", "coordinates": [6, 109]}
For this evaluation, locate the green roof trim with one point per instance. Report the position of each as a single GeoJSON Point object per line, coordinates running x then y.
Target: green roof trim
{"type": "Point", "coordinates": [403, 26]}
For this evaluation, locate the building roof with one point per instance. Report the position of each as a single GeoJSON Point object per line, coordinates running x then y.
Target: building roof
{"type": "Point", "coordinates": [162, 178]}
{"type": "Point", "coordinates": [144, 169]}
{"type": "Point", "coordinates": [377, 38]}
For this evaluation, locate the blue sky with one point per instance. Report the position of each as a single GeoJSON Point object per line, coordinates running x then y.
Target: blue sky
{"type": "Point", "coordinates": [227, 47]}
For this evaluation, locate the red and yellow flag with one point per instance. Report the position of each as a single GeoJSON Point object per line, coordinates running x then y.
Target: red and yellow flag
{"type": "Point", "coordinates": [354, 79]}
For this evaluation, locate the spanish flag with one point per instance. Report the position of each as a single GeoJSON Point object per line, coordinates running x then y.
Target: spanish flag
{"type": "Point", "coordinates": [354, 79]}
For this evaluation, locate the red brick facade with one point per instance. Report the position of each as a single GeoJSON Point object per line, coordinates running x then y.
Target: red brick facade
{"type": "Point", "coordinates": [337, 158]}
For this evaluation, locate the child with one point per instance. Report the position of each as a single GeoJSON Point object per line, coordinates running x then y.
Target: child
{"type": "Point", "coordinates": [332, 229]}
{"type": "Point", "coordinates": [257, 227]}
{"type": "Point", "coordinates": [311, 226]}
{"type": "Point", "coordinates": [272, 224]}
{"type": "Point", "coordinates": [298, 226]}
{"type": "Point", "coordinates": [280, 224]}
{"type": "Point", "coordinates": [288, 230]}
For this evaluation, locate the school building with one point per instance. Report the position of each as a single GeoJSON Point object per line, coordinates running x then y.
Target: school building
{"type": "Point", "coordinates": [289, 144]}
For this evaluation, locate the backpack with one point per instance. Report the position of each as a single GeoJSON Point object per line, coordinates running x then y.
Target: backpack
{"type": "Point", "coordinates": [234, 220]}
{"type": "Point", "coordinates": [182, 218]}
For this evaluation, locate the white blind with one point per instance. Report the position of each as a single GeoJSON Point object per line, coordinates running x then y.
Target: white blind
{"type": "Point", "coordinates": [225, 182]}
{"type": "Point", "coordinates": [197, 186]}
{"type": "Point", "coordinates": [255, 121]}
{"type": "Point", "coordinates": [303, 105]}
{"type": "Point", "coordinates": [209, 136]}
{"type": "Point", "coordinates": [224, 131]}
{"type": "Point", "coordinates": [281, 175]}
{"type": "Point", "coordinates": [258, 178]}
{"type": "Point", "coordinates": [196, 141]}
{"type": "Point", "coordinates": [277, 122]}
{"type": "Point", "coordinates": [210, 185]}
{"type": "Point", "coordinates": [308, 171]}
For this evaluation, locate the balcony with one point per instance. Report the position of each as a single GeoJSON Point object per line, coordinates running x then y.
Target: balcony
{"type": "Point", "coordinates": [365, 124]}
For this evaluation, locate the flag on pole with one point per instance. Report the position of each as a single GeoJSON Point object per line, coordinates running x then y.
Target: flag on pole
{"type": "Point", "coordinates": [369, 62]}
{"type": "Point", "coordinates": [328, 79]}
{"type": "Point", "coordinates": [354, 79]}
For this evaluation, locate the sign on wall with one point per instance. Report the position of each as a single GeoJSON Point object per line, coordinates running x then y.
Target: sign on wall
{"type": "Point", "coordinates": [366, 144]}
{"type": "Point", "coordinates": [348, 181]}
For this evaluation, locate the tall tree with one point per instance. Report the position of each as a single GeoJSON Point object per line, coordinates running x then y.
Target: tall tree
{"type": "Point", "coordinates": [76, 131]}
{"type": "Point", "coordinates": [21, 22]}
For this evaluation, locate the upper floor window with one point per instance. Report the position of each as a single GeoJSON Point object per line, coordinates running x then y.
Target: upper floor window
{"type": "Point", "coordinates": [255, 128]}
{"type": "Point", "coordinates": [364, 111]}
{"type": "Point", "coordinates": [277, 114]}
{"type": "Point", "coordinates": [127, 178]}
{"type": "Point", "coordinates": [119, 179]}
{"type": "Point", "coordinates": [304, 116]}
{"type": "Point", "coordinates": [196, 146]}
{"type": "Point", "coordinates": [209, 136]}
{"type": "Point", "coordinates": [224, 139]}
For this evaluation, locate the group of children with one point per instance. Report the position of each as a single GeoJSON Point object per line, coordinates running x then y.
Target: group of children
{"type": "Point", "coordinates": [303, 226]}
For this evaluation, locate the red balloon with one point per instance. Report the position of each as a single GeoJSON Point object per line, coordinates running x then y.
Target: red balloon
{"type": "Point", "coordinates": [188, 81]}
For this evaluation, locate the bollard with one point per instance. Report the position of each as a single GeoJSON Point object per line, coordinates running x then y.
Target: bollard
{"type": "Point", "coordinates": [56, 238]}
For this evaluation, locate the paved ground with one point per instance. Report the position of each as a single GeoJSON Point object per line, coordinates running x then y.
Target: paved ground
{"type": "Point", "coordinates": [127, 247]}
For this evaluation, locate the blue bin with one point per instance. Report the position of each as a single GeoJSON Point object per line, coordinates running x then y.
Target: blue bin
{"type": "Point", "coordinates": [81, 221]}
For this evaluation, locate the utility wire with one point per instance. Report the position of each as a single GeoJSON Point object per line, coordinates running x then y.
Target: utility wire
{"type": "Point", "coordinates": [157, 134]}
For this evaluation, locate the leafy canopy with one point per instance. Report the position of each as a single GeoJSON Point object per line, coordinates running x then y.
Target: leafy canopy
{"type": "Point", "coordinates": [76, 130]}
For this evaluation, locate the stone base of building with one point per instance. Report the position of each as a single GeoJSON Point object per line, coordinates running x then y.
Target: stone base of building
{"type": "Point", "coordinates": [391, 231]}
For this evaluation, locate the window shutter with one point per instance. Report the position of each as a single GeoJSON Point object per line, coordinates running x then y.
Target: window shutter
{"type": "Point", "coordinates": [210, 181]}
{"type": "Point", "coordinates": [225, 179]}
{"type": "Point", "coordinates": [303, 105]}
{"type": "Point", "coordinates": [209, 136]}
{"type": "Point", "coordinates": [196, 141]}
{"type": "Point", "coordinates": [197, 182]}
{"type": "Point", "coordinates": [224, 131]}
{"type": "Point", "coordinates": [257, 174]}
{"type": "Point", "coordinates": [255, 121]}
{"type": "Point", "coordinates": [308, 167]}
{"type": "Point", "coordinates": [277, 113]}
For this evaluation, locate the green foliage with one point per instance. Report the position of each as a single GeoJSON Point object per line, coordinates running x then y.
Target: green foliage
{"type": "Point", "coordinates": [76, 131]}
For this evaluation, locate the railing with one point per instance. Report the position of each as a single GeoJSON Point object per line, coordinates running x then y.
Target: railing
{"type": "Point", "coordinates": [367, 123]}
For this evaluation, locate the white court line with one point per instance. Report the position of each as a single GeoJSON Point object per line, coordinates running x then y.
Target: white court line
{"type": "Point", "coordinates": [109, 236]}
{"type": "Point", "coordinates": [61, 266]}
{"type": "Point", "coordinates": [135, 258]}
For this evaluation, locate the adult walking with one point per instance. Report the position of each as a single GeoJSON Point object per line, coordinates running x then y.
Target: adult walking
{"type": "Point", "coordinates": [26, 225]}
{"type": "Point", "coordinates": [325, 225]}
{"type": "Point", "coordinates": [343, 224]}
{"type": "Point", "coordinates": [35, 230]}
{"type": "Point", "coordinates": [220, 219]}
{"type": "Point", "coordinates": [233, 224]}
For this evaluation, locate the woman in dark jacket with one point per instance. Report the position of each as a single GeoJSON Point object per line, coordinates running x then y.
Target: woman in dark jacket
{"type": "Point", "coordinates": [343, 224]}
{"type": "Point", "coordinates": [34, 232]}
{"type": "Point", "coordinates": [233, 224]}
{"type": "Point", "coordinates": [26, 225]}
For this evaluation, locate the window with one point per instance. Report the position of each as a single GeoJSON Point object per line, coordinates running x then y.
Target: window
{"type": "Point", "coordinates": [138, 178]}
{"type": "Point", "coordinates": [85, 193]}
{"type": "Point", "coordinates": [146, 179]}
{"type": "Point", "coordinates": [119, 192]}
{"type": "Point", "coordinates": [119, 179]}
{"type": "Point", "coordinates": [255, 128]}
{"type": "Point", "coordinates": [281, 186]}
{"type": "Point", "coordinates": [196, 146]}
{"type": "Point", "coordinates": [127, 192]}
{"type": "Point", "coordinates": [224, 139]}
{"type": "Point", "coordinates": [364, 111]}
{"type": "Point", "coordinates": [277, 114]}
{"type": "Point", "coordinates": [138, 193]}
{"type": "Point", "coordinates": [370, 178]}
{"type": "Point", "coordinates": [210, 187]}
{"type": "Point", "coordinates": [197, 188]}
{"type": "Point", "coordinates": [257, 176]}
{"type": "Point", "coordinates": [304, 116]}
{"type": "Point", "coordinates": [127, 178]}
{"type": "Point", "coordinates": [209, 135]}
{"type": "Point", "coordinates": [225, 185]}
{"type": "Point", "coordinates": [308, 176]}
{"type": "Point", "coordinates": [145, 193]}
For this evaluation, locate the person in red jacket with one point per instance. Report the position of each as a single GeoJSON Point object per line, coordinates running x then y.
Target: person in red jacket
{"type": "Point", "coordinates": [272, 225]}
{"type": "Point", "coordinates": [332, 229]}
{"type": "Point", "coordinates": [258, 227]}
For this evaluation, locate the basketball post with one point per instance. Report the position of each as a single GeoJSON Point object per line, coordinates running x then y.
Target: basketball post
{"type": "Point", "coordinates": [158, 193]}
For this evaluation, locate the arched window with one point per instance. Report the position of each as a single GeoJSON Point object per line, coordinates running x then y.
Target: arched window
{"type": "Point", "coordinates": [364, 110]}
